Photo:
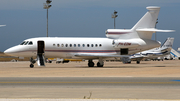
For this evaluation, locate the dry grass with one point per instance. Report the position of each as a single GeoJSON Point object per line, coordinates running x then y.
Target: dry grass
{"type": "Point", "coordinates": [5, 57]}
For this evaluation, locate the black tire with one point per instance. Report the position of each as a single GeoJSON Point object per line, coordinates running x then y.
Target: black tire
{"type": "Point", "coordinates": [31, 65]}
{"type": "Point", "coordinates": [138, 62]}
{"type": "Point", "coordinates": [91, 64]}
{"type": "Point", "coordinates": [98, 65]}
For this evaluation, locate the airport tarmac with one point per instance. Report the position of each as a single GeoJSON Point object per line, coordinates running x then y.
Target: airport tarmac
{"type": "Point", "coordinates": [98, 87]}
{"type": "Point", "coordinates": [166, 68]}
{"type": "Point", "coordinates": [148, 80]}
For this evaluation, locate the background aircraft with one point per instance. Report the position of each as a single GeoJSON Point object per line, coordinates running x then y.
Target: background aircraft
{"type": "Point", "coordinates": [119, 44]}
{"type": "Point", "coordinates": [162, 51]}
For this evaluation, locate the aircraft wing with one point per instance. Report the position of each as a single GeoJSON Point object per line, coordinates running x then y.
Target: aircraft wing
{"type": "Point", "coordinates": [139, 58]}
{"type": "Point", "coordinates": [101, 55]}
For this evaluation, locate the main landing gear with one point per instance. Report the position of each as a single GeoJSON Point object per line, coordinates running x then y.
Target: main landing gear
{"type": "Point", "coordinates": [99, 64]}
{"type": "Point", "coordinates": [90, 63]}
{"type": "Point", "coordinates": [32, 63]}
{"type": "Point", "coordinates": [138, 62]}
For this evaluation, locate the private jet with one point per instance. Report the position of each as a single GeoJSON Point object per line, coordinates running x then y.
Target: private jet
{"type": "Point", "coordinates": [162, 51]}
{"type": "Point", "coordinates": [119, 44]}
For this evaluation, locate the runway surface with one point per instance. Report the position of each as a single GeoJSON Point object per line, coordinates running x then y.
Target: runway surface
{"type": "Point", "coordinates": [99, 87]}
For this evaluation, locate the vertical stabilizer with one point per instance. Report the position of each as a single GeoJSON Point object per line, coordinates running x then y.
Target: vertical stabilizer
{"type": "Point", "coordinates": [168, 43]}
{"type": "Point", "coordinates": [143, 29]}
{"type": "Point", "coordinates": [146, 25]}
{"type": "Point", "coordinates": [149, 19]}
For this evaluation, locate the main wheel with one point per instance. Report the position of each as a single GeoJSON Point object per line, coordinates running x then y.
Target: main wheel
{"type": "Point", "coordinates": [138, 62]}
{"type": "Point", "coordinates": [99, 65]}
{"type": "Point", "coordinates": [91, 64]}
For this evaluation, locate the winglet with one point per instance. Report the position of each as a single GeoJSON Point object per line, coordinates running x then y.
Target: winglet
{"type": "Point", "coordinates": [2, 25]}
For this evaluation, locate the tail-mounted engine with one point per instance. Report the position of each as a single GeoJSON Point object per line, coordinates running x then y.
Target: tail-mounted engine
{"type": "Point", "coordinates": [119, 43]}
{"type": "Point", "coordinates": [117, 33]}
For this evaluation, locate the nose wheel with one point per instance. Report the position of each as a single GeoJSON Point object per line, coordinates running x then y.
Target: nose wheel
{"type": "Point", "coordinates": [32, 63]}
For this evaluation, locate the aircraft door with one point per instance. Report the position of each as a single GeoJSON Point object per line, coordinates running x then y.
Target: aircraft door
{"type": "Point", "coordinates": [124, 51]}
{"type": "Point", "coordinates": [40, 48]}
{"type": "Point", "coordinates": [40, 53]}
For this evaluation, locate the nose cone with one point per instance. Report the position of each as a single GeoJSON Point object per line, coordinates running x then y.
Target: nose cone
{"type": "Point", "coordinates": [13, 51]}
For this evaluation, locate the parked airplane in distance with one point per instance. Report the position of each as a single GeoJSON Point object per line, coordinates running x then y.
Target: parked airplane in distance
{"type": "Point", "coordinates": [119, 44]}
{"type": "Point", "coordinates": [164, 50]}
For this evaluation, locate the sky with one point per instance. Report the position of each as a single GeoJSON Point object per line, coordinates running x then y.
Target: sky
{"type": "Point", "coordinates": [81, 18]}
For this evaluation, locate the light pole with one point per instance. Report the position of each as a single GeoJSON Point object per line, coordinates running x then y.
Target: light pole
{"type": "Point", "coordinates": [155, 32]}
{"type": "Point", "coordinates": [47, 6]}
{"type": "Point", "coordinates": [114, 16]}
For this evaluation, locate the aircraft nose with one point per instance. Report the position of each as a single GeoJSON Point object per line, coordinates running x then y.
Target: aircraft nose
{"type": "Point", "coordinates": [8, 51]}
{"type": "Point", "coordinates": [11, 51]}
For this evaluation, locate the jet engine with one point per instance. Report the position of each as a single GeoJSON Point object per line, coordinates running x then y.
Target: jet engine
{"type": "Point", "coordinates": [117, 33]}
{"type": "Point", "coordinates": [119, 43]}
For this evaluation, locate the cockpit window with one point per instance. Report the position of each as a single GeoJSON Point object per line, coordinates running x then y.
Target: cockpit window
{"type": "Point", "coordinates": [26, 43]}
{"type": "Point", "coordinates": [30, 43]}
{"type": "Point", "coordinates": [22, 42]}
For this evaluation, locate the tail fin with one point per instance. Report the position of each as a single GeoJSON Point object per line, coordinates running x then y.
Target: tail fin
{"type": "Point", "coordinates": [149, 19]}
{"type": "Point", "coordinates": [144, 28]}
{"type": "Point", "coordinates": [168, 43]}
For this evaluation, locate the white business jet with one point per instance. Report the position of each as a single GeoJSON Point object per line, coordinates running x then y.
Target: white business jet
{"type": "Point", "coordinates": [119, 43]}
{"type": "Point", "coordinates": [162, 51]}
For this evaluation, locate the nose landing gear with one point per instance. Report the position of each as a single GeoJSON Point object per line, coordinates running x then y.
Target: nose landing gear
{"type": "Point", "coordinates": [32, 62]}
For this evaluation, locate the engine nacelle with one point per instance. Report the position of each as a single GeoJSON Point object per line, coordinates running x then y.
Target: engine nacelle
{"type": "Point", "coordinates": [117, 33]}
{"type": "Point", "coordinates": [124, 43]}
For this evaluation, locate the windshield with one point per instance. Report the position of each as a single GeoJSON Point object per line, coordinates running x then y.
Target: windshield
{"type": "Point", "coordinates": [22, 42]}
{"type": "Point", "coordinates": [27, 43]}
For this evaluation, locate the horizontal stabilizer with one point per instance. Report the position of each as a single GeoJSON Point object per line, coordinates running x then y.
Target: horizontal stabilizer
{"type": "Point", "coordinates": [2, 25]}
{"type": "Point", "coordinates": [153, 30]}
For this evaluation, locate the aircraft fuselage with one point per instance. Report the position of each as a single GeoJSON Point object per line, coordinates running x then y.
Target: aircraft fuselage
{"type": "Point", "coordinates": [56, 47]}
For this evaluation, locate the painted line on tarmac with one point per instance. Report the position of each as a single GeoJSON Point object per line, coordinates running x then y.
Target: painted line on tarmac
{"type": "Point", "coordinates": [88, 99]}
{"type": "Point", "coordinates": [90, 82]}
{"type": "Point", "coordinates": [176, 80]}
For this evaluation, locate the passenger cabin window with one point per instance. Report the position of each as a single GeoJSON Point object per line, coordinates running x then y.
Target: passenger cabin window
{"type": "Point", "coordinates": [66, 45]}
{"type": "Point", "coordinates": [87, 45]}
{"type": "Point", "coordinates": [74, 45]}
{"type": "Point", "coordinates": [92, 45]}
{"type": "Point", "coordinates": [83, 45]}
{"type": "Point", "coordinates": [100, 45]}
{"type": "Point", "coordinates": [70, 45]}
{"type": "Point", "coordinates": [79, 45]}
{"type": "Point", "coordinates": [58, 45]}
{"type": "Point", "coordinates": [62, 45]}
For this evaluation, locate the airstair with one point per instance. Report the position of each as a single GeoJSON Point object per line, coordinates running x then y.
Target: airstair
{"type": "Point", "coordinates": [175, 54]}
